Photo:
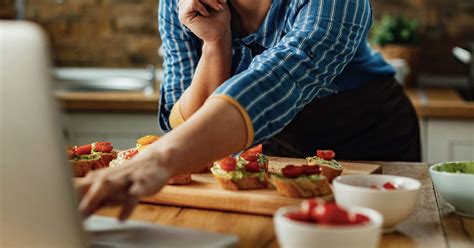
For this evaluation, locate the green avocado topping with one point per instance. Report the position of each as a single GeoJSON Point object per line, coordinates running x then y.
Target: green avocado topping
{"type": "Point", "coordinates": [236, 174]}
{"type": "Point", "coordinates": [89, 157]}
{"type": "Point", "coordinates": [302, 178]}
{"type": "Point", "coordinates": [457, 167]}
{"type": "Point", "coordinates": [315, 160]}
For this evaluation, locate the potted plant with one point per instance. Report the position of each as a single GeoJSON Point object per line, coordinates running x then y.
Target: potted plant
{"type": "Point", "coordinates": [398, 38]}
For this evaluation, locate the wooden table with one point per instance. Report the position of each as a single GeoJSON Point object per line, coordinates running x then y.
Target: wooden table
{"type": "Point", "coordinates": [433, 224]}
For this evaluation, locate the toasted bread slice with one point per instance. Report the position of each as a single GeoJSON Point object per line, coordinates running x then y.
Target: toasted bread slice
{"type": "Point", "coordinates": [181, 179]}
{"type": "Point", "coordinates": [330, 172]}
{"type": "Point", "coordinates": [107, 157]}
{"type": "Point", "coordinates": [301, 188]}
{"type": "Point", "coordinates": [82, 167]}
{"type": "Point", "coordinates": [246, 183]}
{"type": "Point", "coordinates": [329, 168]}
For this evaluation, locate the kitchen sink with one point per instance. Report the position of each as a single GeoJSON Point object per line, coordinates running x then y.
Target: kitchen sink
{"type": "Point", "coordinates": [104, 84]}
{"type": "Point", "coordinates": [106, 79]}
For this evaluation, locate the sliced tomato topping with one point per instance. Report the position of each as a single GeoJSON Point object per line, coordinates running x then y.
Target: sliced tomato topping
{"type": "Point", "coordinates": [103, 147]}
{"type": "Point", "coordinates": [252, 166]}
{"type": "Point", "coordinates": [84, 150]}
{"type": "Point", "coordinates": [311, 169]}
{"type": "Point", "coordinates": [130, 153]}
{"type": "Point", "coordinates": [298, 216]}
{"type": "Point", "coordinates": [331, 214]}
{"type": "Point", "coordinates": [291, 171]}
{"type": "Point", "coordinates": [326, 154]}
{"type": "Point", "coordinates": [228, 164]}
{"type": "Point", "coordinates": [389, 186]}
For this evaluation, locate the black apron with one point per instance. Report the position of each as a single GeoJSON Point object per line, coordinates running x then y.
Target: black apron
{"type": "Point", "coordinates": [374, 122]}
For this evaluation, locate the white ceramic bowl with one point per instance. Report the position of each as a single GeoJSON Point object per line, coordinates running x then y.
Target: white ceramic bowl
{"type": "Point", "coordinates": [456, 188]}
{"type": "Point", "coordinates": [394, 205]}
{"type": "Point", "coordinates": [296, 234]}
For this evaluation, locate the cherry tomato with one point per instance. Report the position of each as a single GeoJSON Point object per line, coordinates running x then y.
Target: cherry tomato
{"type": "Point", "coordinates": [361, 219]}
{"type": "Point", "coordinates": [311, 169]}
{"type": "Point", "coordinates": [326, 154]}
{"type": "Point", "coordinates": [228, 164]}
{"type": "Point", "coordinates": [249, 155]}
{"type": "Point", "coordinates": [308, 206]}
{"type": "Point", "coordinates": [103, 147]}
{"type": "Point", "coordinates": [130, 153]}
{"type": "Point", "coordinates": [252, 166]}
{"type": "Point", "coordinates": [298, 216]}
{"type": "Point", "coordinates": [389, 186]}
{"type": "Point", "coordinates": [291, 171]}
{"type": "Point", "coordinates": [84, 150]}
{"type": "Point", "coordinates": [331, 214]}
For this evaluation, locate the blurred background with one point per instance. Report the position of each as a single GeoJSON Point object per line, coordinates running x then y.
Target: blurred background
{"type": "Point", "coordinates": [123, 33]}
{"type": "Point", "coordinates": [113, 45]}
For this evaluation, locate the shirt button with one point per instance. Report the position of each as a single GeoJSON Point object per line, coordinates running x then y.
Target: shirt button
{"type": "Point", "coordinates": [311, 54]}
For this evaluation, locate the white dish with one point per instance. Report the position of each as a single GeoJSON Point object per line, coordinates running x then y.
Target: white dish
{"type": "Point", "coordinates": [394, 205]}
{"type": "Point", "coordinates": [456, 188]}
{"type": "Point", "coordinates": [292, 233]}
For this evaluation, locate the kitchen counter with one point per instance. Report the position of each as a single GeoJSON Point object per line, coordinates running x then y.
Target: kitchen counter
{"type": "Point", "coordinates": [433, 224]}
{"type": "Point", "coordinates": [440, 103]}
{"type": "Point", "coordinates": [437, 103]}
{"type": "Point", "coordinates": [108, 101]}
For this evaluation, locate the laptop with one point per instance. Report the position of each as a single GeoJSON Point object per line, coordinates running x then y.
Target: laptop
{"type": "Point", "coordinates": [37, 200]}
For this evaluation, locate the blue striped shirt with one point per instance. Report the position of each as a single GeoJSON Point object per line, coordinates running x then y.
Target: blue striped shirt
{"type": "Point", "coordinates": [304, 49]}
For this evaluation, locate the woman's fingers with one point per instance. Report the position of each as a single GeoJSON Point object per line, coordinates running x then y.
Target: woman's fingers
{"type": "Point", "coordinates": [214, 4]}
{"type": "Point", "coordinates": [199, 7]}
{"type": "Point", "coordinates": [102, 188]}
{"type": "Point", "coordinates": [127, 208]}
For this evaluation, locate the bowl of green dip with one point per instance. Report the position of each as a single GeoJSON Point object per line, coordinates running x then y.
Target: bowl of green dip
{"type": "Point", "coordinates": [454, 181]}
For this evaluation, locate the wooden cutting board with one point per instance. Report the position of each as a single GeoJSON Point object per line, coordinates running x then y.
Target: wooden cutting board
{"type": "Point", "coordinates": [205, 192]}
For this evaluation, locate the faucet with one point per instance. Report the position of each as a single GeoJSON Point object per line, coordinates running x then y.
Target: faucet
{"type": "Point", "coordinates": [466, 57]}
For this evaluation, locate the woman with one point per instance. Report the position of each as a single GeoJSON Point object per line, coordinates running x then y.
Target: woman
{"type": "Point", "coordinates": [297, 75]}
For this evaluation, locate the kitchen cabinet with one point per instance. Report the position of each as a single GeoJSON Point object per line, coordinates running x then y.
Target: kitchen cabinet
{"type": "Point", "coordinates": [447, 139]}
{"type": "Point", "coordinates": [122, 129]}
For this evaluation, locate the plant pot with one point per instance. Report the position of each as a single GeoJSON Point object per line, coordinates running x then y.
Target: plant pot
{"type": "Point", "coordinates": [411, 54]}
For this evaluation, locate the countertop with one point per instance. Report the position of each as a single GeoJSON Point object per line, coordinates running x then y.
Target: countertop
{"type": "Point", "coordinates": [432, 224]}
{"type": "Point", "coordinates": [429, 103]}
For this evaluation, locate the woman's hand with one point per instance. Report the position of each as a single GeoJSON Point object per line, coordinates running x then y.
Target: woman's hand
{"type": "Point", "coordinates": [122, 185]}
{"type": "Point", "coordinates": [210, 24]}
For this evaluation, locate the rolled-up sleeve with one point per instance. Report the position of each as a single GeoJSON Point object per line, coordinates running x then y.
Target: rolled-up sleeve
{"type": "Point", "coordinates": [181, 56]}
{"type": "Point", "coordinates": [300, 67]}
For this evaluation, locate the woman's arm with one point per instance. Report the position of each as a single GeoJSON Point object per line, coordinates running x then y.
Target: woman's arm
{"type": "Point", "coordinates": [217, 125]}
{"type": "Point", "coordinates": [181, 56]}
{"type": "Point", "coordinates": [214, 65]}
{"type": "Point", "coordinates": [213, 69]}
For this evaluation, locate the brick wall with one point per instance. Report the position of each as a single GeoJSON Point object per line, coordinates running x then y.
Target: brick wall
{"type": "Point", "coordinates": [123, 33]}
{"type": "Point", "coordinates": [7, 9]}
{"type": "Point", "coordinates": [99, 33]}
